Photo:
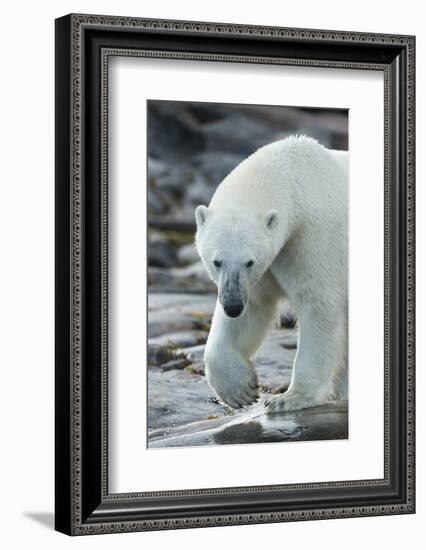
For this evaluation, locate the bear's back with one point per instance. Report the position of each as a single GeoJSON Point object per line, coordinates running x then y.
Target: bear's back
{"type": "Point", "coordinates": [269, 175]}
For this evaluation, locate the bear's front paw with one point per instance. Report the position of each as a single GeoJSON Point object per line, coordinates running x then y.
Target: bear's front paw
{"type": "Point", "coordinates": [235, 385]}
{"type": "Point", "coordinates": [291, 401]}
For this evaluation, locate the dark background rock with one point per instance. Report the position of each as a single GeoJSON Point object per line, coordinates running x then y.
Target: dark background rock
{"type": "Point", "coordinates": [172, 131]}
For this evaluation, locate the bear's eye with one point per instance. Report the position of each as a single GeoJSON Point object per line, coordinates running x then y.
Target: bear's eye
{"type": "Point", "coordinates": [249, 263]}
{"type": "Point", "coordinates": [217, 263]}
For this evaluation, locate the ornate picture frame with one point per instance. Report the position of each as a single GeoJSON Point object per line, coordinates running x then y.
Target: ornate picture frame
{"type": "Point", "coordinates": [84, 44]}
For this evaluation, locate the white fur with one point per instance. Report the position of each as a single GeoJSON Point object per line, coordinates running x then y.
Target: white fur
{"type": "Point", "coordinates": [285, 209]}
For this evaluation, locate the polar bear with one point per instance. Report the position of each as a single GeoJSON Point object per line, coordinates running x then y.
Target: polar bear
{"type": "Point", "coordinates": [276, 228]}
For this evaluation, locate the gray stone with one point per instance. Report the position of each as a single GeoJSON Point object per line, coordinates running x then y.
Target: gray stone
{"type": "Point", "coordinates": [169, 314]}
{"type": "Point", "coordinates": [273, 362]}
{"type": "Point", "coordinates": [199, 192]}
{"type": "Point", "coordinates": [182, 222]}
{"type": "Point", "coordinates": [215, 166]}
{"type": "Point", "coordinates": [158, 354]}
{"type": "Point", "coordinates": [238, 133]}
{"type": "Point", "coordinates": [158, 202]}
{"type": "Point", "coordinates": [189, 279]}
{"type": "Point", "coordinates": [172, 133]}
{"type": "Point", "coordinates": [196, 368]}
{"type": "Point", "coordinates": [174, 364]}
{"type": "Point", "coordinates": [207, 112]}
{"type": "Point", "coordinates": [187, 254]}
{"type": "Point", "coordinates": [184, 302]}
{"type": "Point", "coordinates": [193, 353]}
{"type": "Point", "coordinates": [156, 168]}
{"type": "Point", "coordinates": [194, 271]}
{"type": "Point", "coordinates": [180, 339]}
{"type": "Point", "coordinates": [161, 254]}
{"type": "Point", "coordinates": [161, 322]}
{"type": "Point", "coordinates": [159, 278]}
{"type": "Point", "coordinates": [174, 179]}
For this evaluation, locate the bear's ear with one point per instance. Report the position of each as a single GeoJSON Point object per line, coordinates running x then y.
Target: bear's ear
{"type": "Point", "coordinates": [271, 219]}
{"type": "Point", "coordinates": [201, 213]}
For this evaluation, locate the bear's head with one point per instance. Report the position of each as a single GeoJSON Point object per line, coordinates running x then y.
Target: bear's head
{"type": "Point", "coordinates": [236, 249]}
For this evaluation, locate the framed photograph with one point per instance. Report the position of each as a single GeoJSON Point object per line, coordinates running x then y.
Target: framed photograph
{"type": "Point", "coordinates": [234, 274]}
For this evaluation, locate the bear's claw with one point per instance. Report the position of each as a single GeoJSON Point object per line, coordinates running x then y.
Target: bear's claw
{"type": "Point", "coordinates": [237, 386]}
{"type": "Point", "coordinates": [290, 401]}
{"type": "Point", "coordinates": [245, 399]}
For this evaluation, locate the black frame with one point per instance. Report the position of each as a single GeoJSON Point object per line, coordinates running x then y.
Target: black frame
{"type": "Point", "coordinates": [83, 46]}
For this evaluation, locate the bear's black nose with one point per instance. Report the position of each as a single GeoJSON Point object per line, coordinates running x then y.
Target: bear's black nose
{"type": "Point", "coordinates": [233, 309]}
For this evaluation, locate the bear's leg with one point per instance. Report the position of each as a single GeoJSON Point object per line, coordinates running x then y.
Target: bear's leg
{"type": "Point", "coordinates": [231, 344]}
{"type": "Point", "coordinates": [322, 336]}
{"type": "Point", "coordinates": [340, 385]}
{"type": "Point", "coordinates": [341, 382]}
{"type": "Point", "coordinates": [232, 377]}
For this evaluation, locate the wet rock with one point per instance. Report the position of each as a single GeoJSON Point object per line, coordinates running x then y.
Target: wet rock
{"type": "Point", "coordinates": [176, 398]}
{"type": "Point", "coordinates": [183, 409]}
{"type": "Point", "coordinates": [328, 422]}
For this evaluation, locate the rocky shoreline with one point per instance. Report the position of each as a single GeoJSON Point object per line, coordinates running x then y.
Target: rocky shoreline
{"type": "Point", "coordinates": [182, 409]}
{"type": "Point", "coordinates": [191, 148]}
